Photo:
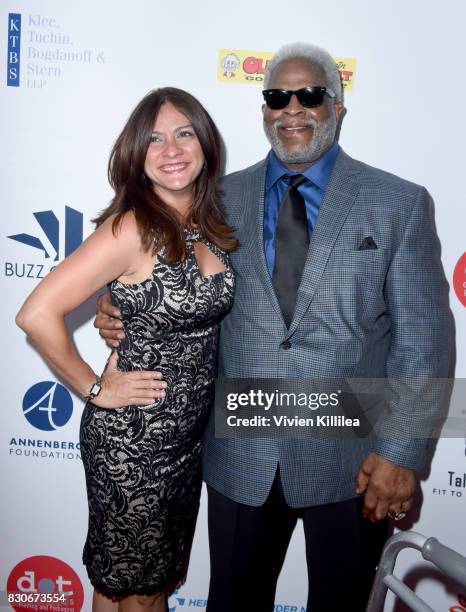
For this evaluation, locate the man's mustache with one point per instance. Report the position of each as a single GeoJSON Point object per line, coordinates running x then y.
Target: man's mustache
{"type": "Point", "coordinates": [279, 123]}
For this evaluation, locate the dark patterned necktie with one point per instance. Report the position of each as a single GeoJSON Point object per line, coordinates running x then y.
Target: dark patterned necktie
{"type": "Point", "coordinates": [291, 246]}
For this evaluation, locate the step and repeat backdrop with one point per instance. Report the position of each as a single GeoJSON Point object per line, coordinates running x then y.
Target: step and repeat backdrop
{"type": "Point", "coordinates": [70, 74]}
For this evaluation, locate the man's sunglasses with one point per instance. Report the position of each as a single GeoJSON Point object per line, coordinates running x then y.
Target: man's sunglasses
{"type": "Point", "coordinates": [309, 97]}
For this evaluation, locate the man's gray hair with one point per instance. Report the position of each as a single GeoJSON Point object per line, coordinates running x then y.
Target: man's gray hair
{"type": "Point", "coordinates": [314, 55]}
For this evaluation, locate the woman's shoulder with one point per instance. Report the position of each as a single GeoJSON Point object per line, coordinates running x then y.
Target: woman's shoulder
{"type": "Point", "coordinates": [123, 228]}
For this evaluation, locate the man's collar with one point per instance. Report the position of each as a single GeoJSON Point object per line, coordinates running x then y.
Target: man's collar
{"type": "Point", "coordinates": [318, 172]}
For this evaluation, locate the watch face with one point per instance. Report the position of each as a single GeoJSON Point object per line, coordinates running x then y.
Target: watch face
{"type": "Point", "coordinates": [95, 389]}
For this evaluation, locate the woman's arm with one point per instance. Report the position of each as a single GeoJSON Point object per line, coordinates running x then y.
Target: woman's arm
{"type": "Point", "coordinates": [102, 258]}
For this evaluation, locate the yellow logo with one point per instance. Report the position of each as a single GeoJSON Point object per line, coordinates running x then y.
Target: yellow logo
{"type": "Point", "coordinates": [239, 66]}
{"type": "Point", "coordinates": [347, 68]}
{"type": "Point", "coordinates": [236, 66]}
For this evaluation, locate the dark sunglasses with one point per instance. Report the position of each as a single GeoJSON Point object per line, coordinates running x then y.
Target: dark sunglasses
{"type": "Point", "coordinates": [309, 97]}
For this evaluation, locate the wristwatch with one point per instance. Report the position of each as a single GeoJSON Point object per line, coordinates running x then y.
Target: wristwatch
{"type": "Point", "coordinates": [95, 389]}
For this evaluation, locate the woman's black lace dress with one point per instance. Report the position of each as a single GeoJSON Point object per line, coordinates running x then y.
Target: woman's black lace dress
{"type": "Point", "coordinates": [142, 464]}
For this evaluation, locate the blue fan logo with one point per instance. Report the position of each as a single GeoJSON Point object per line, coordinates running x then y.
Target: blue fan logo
{"type": "Point", "coordinates": [48, 405]}
{"type": "Point", "coordinates": [50, 242]}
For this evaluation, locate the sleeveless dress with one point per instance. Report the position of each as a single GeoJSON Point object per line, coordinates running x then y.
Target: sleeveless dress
{"type": "Point", "coordinates": [142, 464]}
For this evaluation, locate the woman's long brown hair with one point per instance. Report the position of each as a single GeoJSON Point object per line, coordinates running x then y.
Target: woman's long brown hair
{"type": "Point", "coordinates": [159, 225]}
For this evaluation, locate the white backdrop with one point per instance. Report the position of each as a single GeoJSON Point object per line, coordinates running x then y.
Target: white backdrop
{"type": "Point", "coordinates": [83, 67]}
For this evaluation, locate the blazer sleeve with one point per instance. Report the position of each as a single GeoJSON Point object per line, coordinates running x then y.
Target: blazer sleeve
{"type": "Point", "coordinates": [416, 295]}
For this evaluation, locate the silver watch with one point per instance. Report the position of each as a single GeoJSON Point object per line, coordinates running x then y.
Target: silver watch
{"type": "Point", "coordinates": [95, 389]}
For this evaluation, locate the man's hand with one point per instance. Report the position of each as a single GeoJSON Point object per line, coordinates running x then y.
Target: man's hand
{"type": "Point", "coordinates": [108, 321]}
{"type": "Point", "coordinates": [388, 487]}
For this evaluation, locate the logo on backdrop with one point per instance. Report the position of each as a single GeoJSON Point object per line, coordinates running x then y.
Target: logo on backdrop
{"type": "Point", "coordinates": [47, 243]}
{"type": "Point", "coordinates": [47, 405]}
{"type": "Point", "coordinates": [50, 243]}
{"type": "Point", "coordinates": [48, 50]}
{"type": "Point", "coordinates": [14, 49]}
{"type": "Point", "coordinates": [239, 66]}
{"type": "Point", "coordinates": [459, 279]}
{"type": "Point", "coordinates": [175, 601]}
{"type": "Point", "coordinates": [454, 485]}
{"type": "Point", "coordinates": [461, 605]}
{"type": "Point", "coordinates": [49, 582]}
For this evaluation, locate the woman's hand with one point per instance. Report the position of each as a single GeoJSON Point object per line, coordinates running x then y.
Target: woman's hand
{"type": "Point", "coordinates": [140, 388]}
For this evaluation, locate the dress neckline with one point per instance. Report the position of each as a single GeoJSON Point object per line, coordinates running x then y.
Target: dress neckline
{"type": "Point", "coordinates": [192, 233]}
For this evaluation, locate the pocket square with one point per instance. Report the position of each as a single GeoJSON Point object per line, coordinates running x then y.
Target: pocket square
{"type": "Point", "coordinates": [367, 243]}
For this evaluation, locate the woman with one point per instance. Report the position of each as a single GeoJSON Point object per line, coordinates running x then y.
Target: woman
{"type": "Point", "coordinates": [162, 246]}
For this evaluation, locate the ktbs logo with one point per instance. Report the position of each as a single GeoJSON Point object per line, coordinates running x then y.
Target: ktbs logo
{"type": "Point", "coordinates": [50, 243]}
{"type": "Point", "coordinates": [14, 49]}
{"type": "Point", "coordinates": [47, 405]}
{"type": "Point", "coordinates": [47, 577]}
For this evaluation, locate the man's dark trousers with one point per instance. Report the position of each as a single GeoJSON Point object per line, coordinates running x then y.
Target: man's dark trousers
{"type": "Point", "coordinates": [248, 546]}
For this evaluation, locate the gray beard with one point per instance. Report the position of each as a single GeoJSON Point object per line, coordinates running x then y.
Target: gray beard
{"type": "Point", "coordinates": [322, 139]}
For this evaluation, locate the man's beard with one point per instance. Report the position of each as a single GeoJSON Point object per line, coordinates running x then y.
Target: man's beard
{"type": "Point", "coordinates": [322, 139]}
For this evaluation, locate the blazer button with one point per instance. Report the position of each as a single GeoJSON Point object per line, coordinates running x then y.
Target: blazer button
{"type": "Point", "coordinates": [286, 344]}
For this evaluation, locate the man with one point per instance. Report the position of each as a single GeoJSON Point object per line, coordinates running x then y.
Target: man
{"type": "Point", "coordinates": [338, 275]}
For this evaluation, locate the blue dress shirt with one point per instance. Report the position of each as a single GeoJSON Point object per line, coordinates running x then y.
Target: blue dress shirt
{"type": "Point", "coordinates": [312, 190]}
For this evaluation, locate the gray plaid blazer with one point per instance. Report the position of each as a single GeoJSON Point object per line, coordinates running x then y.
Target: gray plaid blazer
{"type": "Point", "coordinates": [359, 314]}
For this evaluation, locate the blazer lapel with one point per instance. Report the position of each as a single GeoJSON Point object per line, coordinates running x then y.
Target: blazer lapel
{"type": "Point", "coordinates": [253, 230]}
{"type": "Point", "coordinates": [339, 197]}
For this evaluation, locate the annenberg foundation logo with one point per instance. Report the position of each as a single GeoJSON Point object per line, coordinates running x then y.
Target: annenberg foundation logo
{"type": "Point", "coordinates": [14, 49]}
{"type": "Point", "coordinates": [47, 405]}
{"type": "Point", "coordinates": [240, 66]}
{"type": "Point", "coordinates": [459, 279]}
{"type": "Point", "coordinates": [44, 583]}
{"type": "Point", "coordinates": [55, 241]}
